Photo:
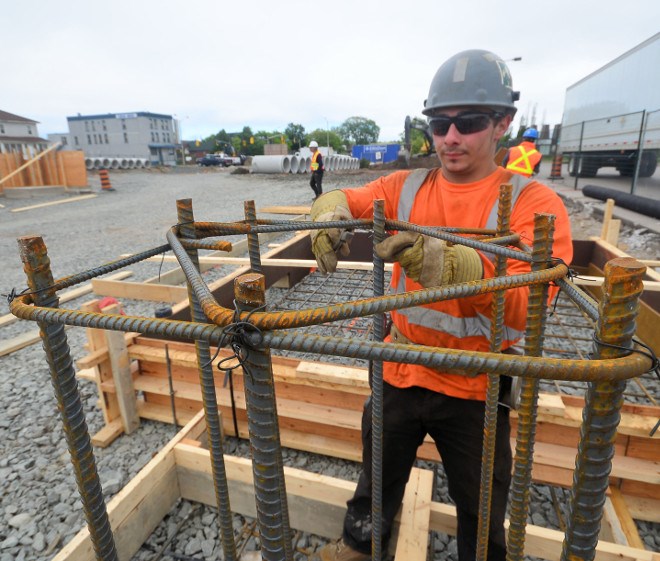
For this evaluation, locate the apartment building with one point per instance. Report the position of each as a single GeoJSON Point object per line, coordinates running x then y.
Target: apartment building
{"type": "Point", "coordinates": [130, 135]}
{"type": "Point", "coordinates": [20, 135]}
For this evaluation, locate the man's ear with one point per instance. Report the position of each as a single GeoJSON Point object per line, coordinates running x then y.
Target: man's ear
{"type": "Point", "coordinates": [502, 126]}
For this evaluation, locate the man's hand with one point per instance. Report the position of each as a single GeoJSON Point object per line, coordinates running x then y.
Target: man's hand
{"type": "Point", "coordinates": [429, 261]}
{"type": "Point", "coordinates": [329, 243]}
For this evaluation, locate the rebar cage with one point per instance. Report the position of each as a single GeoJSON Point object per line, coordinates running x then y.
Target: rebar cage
{"type": "Point", "coordinates": [252, 331]}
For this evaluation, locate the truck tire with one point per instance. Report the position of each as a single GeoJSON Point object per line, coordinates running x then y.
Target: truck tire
{"type": "Point", "coordinates": [648, 164]}
{"type": "Point", "coordinates": [582, 166]}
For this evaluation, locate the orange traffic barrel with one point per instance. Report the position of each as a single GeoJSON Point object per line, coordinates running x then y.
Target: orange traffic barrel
{"type": "Point", "coordinates": [105, 181]}
{"type": "Point", "coordinates": [555, 172]}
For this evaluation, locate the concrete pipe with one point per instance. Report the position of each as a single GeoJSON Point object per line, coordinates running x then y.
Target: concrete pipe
{"type": "Point", "coordinates": [89, 163]}
{"type": "Point", "coordinates": [123, 163]}
{"type": "Point", "coordinates": [329, 163]}
{"type": "Point", "coordinates": [147, 163]}
{"type": "Point", "coordinates": [98, 163]}
{"type": "Point", "coordinates": [295, 164]}
{"type": "Point", "coordinates": [131, 163]}
{"type": "Point", "coordinates": [308, 164]}
{"type": "Point", "coordinates": [114, 163]}
{"type": "Point", "coordinates": [107, 162]}
{"type": "Point", "coordinates": [139, 163]}
{"type": "Point", "coordinates": [270, 164]}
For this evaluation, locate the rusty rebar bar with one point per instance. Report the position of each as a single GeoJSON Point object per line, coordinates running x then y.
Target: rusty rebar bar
{"type": "Point", "coordinates": [536, 320]}
{"type": "Point", "coordinates": [209, 397]}
{"type": "Point", "coordinates": [63, 377]}
{"type": "Point", "coordinates": [602, 411]}
{"type": "Point", "coordinates": [263, 426]}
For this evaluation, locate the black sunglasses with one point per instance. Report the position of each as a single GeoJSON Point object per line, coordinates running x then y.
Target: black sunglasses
{"type": "Point", "coordinates": [466, 123]}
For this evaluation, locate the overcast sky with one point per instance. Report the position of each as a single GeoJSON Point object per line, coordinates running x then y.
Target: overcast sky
{"type": "Point", "coordinates": [216, 64]}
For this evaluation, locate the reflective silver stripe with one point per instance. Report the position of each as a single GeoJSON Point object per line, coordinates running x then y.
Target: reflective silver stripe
{"type": "Point", "coordinates": [478, 326]}
{"type": "Point", "coordinates": [411, 185]}
{"type": "Point", "coordinates": [518, 182]}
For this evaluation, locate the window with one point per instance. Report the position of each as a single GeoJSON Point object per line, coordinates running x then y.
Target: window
{"type": "Point", "coordinates": [29, 129]}
{"type": "Point", "coordinates": [2, 129]}
{"type": "Point", "coordinates": [123, 124]}
{"type": "Point", "coordinates": [104, 127]}
{"type": "Point", "coordinates": [157, 138]}
{"type": "Point", "coordinates": [75, 139]}
{"type": "Point", "coordinates": [64, 141]}
{"type": "Point", "coordinates": [93, 126]}
{"type": "Point", "coordinates": [126, 137]}
{"type": "Point", "coordinates": [86, 126]}
{"type": "Point", "coordinates": [89, 139]}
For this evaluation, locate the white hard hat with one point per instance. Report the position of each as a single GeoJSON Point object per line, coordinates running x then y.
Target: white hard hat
{"type": "Point", "coordinates": [313, 144]}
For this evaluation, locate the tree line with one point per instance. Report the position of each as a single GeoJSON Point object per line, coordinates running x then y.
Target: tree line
{"type": "Point", "coordinates": [354, 130]}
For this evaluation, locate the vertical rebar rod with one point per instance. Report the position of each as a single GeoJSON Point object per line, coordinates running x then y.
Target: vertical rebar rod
{"type": "Point", "coordinates": [493, 386]}
{"type": "Point", "coordinates": [207, 383]}
{"type": "Point", "coordinates": [602, 411]}
{"type": "Point", "coordinates": [36, 264]}
{"type": "Point", "coordinates": [536, 321]}
{"type": "Point", "coordinates": [252, 238]}
{"type": "Point", "coordinates": [377, 391]}
{"type": "Point", "coordinates": [267, 465]}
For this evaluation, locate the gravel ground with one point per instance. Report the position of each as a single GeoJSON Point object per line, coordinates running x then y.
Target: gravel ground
{"type": "Point", "coordinates": [39, 508]}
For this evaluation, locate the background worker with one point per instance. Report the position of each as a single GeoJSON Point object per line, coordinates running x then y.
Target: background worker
{"type": "Point", "coordinates": [524, 158]}
{"type": "Point", "coordinates": [316, 181]}
{"type": "Point", "coordinates": [470, 106]}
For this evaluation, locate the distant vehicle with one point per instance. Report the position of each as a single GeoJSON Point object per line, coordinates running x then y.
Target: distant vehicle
{"type": "Point", "coordinates": [605, 112]}
{"type": "Point", "coordinates": [214, 160]}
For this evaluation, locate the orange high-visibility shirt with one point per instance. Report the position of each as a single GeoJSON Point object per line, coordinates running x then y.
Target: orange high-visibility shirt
{"type": "Point", "coordinates": [440, 203]}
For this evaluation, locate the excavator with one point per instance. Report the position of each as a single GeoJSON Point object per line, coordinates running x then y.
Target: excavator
{"type": "Point", "coordinates": [410, 124]}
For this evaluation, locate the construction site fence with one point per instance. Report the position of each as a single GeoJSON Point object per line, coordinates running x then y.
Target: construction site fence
{"type": "Point", "coordinates": [627, 144]}
{"type": "Point", "coordinates": [57, 168]}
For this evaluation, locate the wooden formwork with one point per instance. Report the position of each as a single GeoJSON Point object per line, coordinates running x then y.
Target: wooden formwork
{"type": "Point", "coordinates": [48, 168]}
{"type": "Point", "coordinates": [317, 503]}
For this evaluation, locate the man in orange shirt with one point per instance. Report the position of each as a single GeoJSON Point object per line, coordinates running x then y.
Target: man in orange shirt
{"type": "Point", "coordinates": [470, 107]}
{"type": "Point", "coordinates": [524, 159]}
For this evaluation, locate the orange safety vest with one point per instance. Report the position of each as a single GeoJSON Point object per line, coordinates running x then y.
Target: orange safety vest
{"type": "Point", "coordinates": [315, 164]}
{"type": "Point", "coordinates": [523, 158]}
{"type": "Point", "coordinates": [462, 323]}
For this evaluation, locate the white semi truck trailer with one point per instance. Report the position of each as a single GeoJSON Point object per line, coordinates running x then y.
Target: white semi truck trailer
{"type": "Point", "coordinates": [611, 113]}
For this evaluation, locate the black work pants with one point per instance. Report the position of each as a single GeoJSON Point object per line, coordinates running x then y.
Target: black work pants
{"type": "Point", "coordinates": [315, 183]}
{"type": "Point", "coordinates": [456, 426]}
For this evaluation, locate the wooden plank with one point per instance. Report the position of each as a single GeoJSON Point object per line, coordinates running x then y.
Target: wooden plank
{"type": "Point", "coordinates": [586, 280]}
{"type": "Point", "coordinates": [19, 342]}
{"type": "Point", "coordinates": [292, 209]}
{"type": "Point", "coordinates": [274, 262]}
{"type": "Point", "coordinates": [607, 218]}
{"type": "Point", "coordinates": [140, 291]}
{"type": "Point", "coordinates": [616, 252]}
{"type": "Point", "coordinates": [613, 231]}
{"type": "Point", "coordinates": [121, 375]}
{"type": "Point", "coordinates": [96, 341]}
{"type": "Point", "coordinates": [51, 203]}
{"type": "Point", "coordinates": [107, 435]}
{"type": "Point", "coordinates": [138, 508]}
{"type": "Point", "coordinates": [415, 517]}
{"type": "Point", "coordinates": [69, 295]}
{"type": "Point", "coordinates": [624, 519]}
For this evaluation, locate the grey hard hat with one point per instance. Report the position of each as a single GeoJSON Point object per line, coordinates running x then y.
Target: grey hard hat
{"type": "Point", "coordinates": [475, 77]}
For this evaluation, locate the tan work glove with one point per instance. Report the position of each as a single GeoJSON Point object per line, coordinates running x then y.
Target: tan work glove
{"type": "Point", "coordinates": [333, 242]}
{"type": "Point", "coordinates": [429, 261]}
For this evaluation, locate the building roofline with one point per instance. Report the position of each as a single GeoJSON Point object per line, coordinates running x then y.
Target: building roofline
{"type": "Point", "coordinates": [7, 116]}
{"type": "Point", "coordinates": [130, 115]}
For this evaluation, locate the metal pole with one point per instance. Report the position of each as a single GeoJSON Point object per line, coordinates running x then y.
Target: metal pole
{"type": "Point", "coordinates": [602, 411]}
{"type": "Point", "coordinates": [576, 169]}
{"type": "Point", "coordinates": [209, 397]}
{"type": "Point", "coordinates": [640, 149]}
{"type": "Point", "coordinates": [63, 377]}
